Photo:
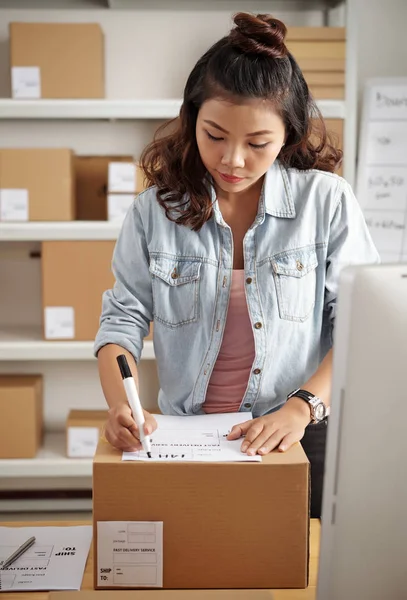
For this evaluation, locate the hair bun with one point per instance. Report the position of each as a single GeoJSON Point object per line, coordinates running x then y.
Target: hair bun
{"type": "Point", "coordinates": [259, 34]}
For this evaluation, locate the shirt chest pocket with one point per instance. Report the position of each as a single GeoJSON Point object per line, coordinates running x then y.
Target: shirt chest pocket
{"type": "Point", "coordinates": [175, 284]}
{"type": "Point", "coordinates": [295, 280]}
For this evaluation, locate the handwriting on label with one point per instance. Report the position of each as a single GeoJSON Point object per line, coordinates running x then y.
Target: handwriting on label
{"type": "Point", "coordinates": [384, 100]}
{"type": "Point", "coordinates": [384, 223]}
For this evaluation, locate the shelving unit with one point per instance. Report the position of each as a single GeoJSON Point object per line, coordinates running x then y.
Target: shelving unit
{"type": "Point", "coordinates": [22, 349]}
{"type": "Point", "coordinates": [49, 230]}
{"type": "Point", "coordinates": [27, 344]}
{"type": "Point", "coordinates": [117, 109]}
{"type": "Point", "coordinates": [50, 462]}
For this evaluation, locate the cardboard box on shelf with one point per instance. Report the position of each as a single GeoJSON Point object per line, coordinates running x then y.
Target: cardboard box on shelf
{"type": "Point", "coordinates": [74, 276]}
{"type": "Point", "coordinates": [320, 53]}
{"type": "Point", "coordinates": [91, 182]}
{"type": "Point", "coordinates": [212, 536]}
{"type": "Point", "coordinates": [56, 60]}
{"type": "Point", "coordinates": [36, 184]}
{"type": "Point", "coordinates": [125, 180]}
{"type": "Point", "coordinates": [21, 409]}
{"type": "Point", "coordinates": [165, 595]}
{"type": "Point", "coordinates": [83, 430]}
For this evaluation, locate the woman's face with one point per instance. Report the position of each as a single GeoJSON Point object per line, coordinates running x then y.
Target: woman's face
{"type": "Point", "coordinates": [238, 142]}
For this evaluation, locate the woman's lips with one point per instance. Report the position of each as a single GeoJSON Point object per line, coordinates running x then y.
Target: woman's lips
{"type": "Point", "coordinates": [230, 178]}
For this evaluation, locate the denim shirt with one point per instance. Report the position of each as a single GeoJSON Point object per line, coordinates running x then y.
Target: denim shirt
{"type": "Point", "coordinates": [308, 226]}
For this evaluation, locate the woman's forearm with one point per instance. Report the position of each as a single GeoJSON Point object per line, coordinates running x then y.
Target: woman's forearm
{"type": "Point", "coordinates": [110, 376]}
{"type": "Point", "coordinates": [319, 384]}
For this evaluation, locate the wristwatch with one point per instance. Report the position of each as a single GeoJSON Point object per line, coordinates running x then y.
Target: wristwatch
{"type": "Point", "coordinates": [319, 410]}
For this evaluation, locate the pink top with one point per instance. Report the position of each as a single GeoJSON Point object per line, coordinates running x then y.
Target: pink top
{"type": "Point", "coordinates": [230, 375]}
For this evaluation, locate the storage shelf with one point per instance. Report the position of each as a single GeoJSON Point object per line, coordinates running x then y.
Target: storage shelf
{"type": "Point", "coordinates": [51, 461]}
{"type": "Point", "coordinates": [26, 344]}
{"type": "Point", "coordinates": [117, 109]}
{"type": "Point", "coordinates": [89, 109]}
{"type": "Point", "coordinates": [59, 230]}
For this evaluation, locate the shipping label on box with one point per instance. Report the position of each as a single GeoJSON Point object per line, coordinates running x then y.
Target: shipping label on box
{"type": "Point", "coordinates": [122, 177]}
{"type": "Point", "coordinates": [26, 82]}
{"type": "Point", "coordinates": [118, 205]}
{"type": "Point", "coordinates": [13, 205]}
{"type": "Point", "coordinates": [82, 441]}
{"type": "Point", "coordinates": [59, 322]}
{"type": "Point", "coordinates": [130, 553]}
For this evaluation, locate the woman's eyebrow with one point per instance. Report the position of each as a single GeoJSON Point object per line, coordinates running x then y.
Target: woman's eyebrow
{"type": "Point", "coordinates": [262, 132]}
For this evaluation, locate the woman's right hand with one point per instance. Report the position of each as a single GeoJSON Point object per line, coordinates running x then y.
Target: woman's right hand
{"type": "Point", "coordinates": [121, 430]}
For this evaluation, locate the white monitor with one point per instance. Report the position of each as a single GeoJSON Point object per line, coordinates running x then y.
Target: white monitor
{"type": "Point", "coordinates": [363, 554]}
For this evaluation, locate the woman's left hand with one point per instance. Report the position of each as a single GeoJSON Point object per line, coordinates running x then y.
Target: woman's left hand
{"type": "Point", "coordinates": [280, 429]}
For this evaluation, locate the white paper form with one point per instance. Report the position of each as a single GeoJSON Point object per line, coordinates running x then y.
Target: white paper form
{"type": "Point", "coordinates": [130, 553]}
{"type": "Point", "coordinates": [56, 561]}
{"type": "Point", "coordinates": [382, 170]}
{"type": "Point", "coordinates": [200, 438]}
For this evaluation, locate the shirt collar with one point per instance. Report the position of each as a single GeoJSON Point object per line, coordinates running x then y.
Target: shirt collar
{"type": "Point", "coordinates": [276, 192]}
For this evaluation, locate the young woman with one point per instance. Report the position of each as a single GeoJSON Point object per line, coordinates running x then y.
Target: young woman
{"type": "Point", "coordinates": [235, 252]}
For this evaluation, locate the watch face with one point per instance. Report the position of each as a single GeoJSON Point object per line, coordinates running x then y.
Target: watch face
{"type": "Point", "coordinates": [320, 411]}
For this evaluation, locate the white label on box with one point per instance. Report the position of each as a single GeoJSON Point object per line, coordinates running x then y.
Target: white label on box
{"type": "Point", "coordinates": [122, 177]}
{"type": "Point", "coordinates": [26, 82]}
{"type": "Point", "coordinates": [13, 205]}
{"type": "Point", "coordinates": [82, 441]}
{"type": "Point", "coordinates": [59, 322]}
{"type": "Point", "coordinates": [130, 554]}
{"type": "Point", "coordinates": [118, 205]}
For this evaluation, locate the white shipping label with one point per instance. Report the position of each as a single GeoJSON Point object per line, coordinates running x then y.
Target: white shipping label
{"type": "Point", "coordinates": [122, 177]}
{"type": "Point", "coordinates": [118, 205]}
{"type": "Point", "coordinates": [82, 441]}
{"type": "Point", "coordinates": [59, 322]}
{"type": "Point", "coordinates": [130, 554]}
{"type": "Point", "coordinates": [13, 205]}
{"type": "Point", "coordinates": [26, 82]}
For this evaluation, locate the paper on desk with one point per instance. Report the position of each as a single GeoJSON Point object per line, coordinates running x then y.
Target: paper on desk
{"type": "Point", "coordinates": [56, 561]}
{"type": "Point", "coordinates": [200, 438]}
{"type": "Point", "coordinates": [130, 553]}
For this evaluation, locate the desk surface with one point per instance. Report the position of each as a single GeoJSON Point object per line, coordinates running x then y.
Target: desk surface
{"type": "Point", "coordinates": [87, 583]}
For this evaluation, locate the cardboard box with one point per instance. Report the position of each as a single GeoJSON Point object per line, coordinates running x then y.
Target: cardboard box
{"type": "Point", "coordinates": [320, 53]}
{"type": "Point", "coordinates": [74, 276]}
{"type": "Point", "coordinates": [334, 127]}
{"type": "Point", "coordinates": [125, 180]}
{"type": "Point", "coordinates": [83, 430]}
{"type": "Point", "coordinates": [21, 410]}
{"type": "Point", "coordinates": [36, 184]}
{"type": "Point", "coordinates": [91, 177]}
{"type": "Point", "coordinates": [56, 60]}
{"type": "Point", "coordinates": [165, 595]}
{"type": "Point", "coordinates": [225, 525]}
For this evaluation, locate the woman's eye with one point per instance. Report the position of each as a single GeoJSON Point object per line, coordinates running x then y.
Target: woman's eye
{"type": "Point", "coordinates": [213, 138]}
{"type": "Point", "coordinates": [259, 146]}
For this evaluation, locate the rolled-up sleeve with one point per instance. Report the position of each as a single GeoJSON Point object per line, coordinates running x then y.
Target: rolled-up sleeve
{"type": "Point", "coordinates": [349, 243]}
{"type": "Point", "coordinates": [127, 307]}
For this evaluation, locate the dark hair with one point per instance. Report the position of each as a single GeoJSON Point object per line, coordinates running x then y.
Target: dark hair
{"type": "Point", "coordinates": [251, 62]}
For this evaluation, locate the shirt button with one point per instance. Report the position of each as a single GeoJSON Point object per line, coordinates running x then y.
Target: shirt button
{"type": "Point", "coordinates": [249, 280]}
{"type": "Point", "coordinates": [258, 325]}
{"type": "Point", "coordinates": [247, 405]}
{"type": "Point", "coordinates": [257, 371]}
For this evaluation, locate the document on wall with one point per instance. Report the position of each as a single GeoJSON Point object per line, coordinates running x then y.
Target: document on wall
{"type": "Point", "coordinates": [56, 560]}
{"type": "Point", "coordinates": [382, 170]}
{"type": "Point", "coordinates": [130, 553]}
{"type": "Point", "coordinates": [200, 438]}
